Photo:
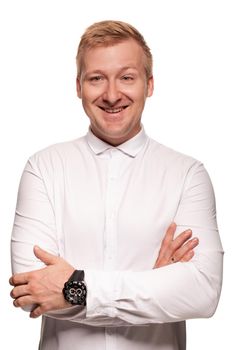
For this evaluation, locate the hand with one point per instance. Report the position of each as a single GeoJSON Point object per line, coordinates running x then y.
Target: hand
{"type": "Point", "coordinates": [178, 249]}
{"type": "Point", "coordinates": [43, 287]}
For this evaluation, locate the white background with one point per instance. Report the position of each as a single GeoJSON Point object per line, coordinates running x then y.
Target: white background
{"type": "Point", "coordinates": [191, 111]}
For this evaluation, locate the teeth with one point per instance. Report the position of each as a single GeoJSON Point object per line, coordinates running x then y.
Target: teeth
{"type": "Point", "coordinates": [113, 110]}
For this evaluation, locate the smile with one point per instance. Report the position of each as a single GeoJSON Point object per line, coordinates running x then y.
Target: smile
{"type": "Point", "coordinates": [113, 110]}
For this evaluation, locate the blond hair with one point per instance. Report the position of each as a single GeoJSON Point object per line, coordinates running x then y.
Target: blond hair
{"type": "Point", "coordinates": [107, 33]}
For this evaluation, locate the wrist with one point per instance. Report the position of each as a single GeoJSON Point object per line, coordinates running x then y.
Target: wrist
{"type": "Point", "coordinates": [75, 290]}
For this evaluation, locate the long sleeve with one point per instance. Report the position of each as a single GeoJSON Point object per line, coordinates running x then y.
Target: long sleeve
{"type": "Point", "coordinates": [173, 293]}
{"type": "Point", "coordinates": [123, 296]}
{"type": "Point", "coordinates": [34, 222]}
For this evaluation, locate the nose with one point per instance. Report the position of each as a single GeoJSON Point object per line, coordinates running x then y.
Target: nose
{"type": "Point", "coordinates": [111, 95]}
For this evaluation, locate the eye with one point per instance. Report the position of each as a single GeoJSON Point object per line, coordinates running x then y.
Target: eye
{"type": "Point", "coordinates": [96, 78]}
{"type": "Point", "coordinates": [127, 77]}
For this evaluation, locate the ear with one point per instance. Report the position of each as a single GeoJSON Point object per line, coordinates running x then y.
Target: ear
{"type": "Point", "coordinates": [150, 86]}
{"type": "Point", "coordinates": [78, 88]}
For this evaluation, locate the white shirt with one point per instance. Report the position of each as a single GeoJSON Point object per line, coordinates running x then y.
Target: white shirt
{"type": "Point", "coordinates": [105, 210]}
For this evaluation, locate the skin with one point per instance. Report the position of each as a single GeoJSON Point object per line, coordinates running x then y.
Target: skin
{"type": "Point", "coordinates": [180, 249]}
{"type": "Point", "coordinates": [113, 88]}
{"type": "Point", "coordinates": [43, 287]}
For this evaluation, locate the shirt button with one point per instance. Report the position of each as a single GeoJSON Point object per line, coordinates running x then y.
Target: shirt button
{"type": "Point", "coordinates": [110, 331]}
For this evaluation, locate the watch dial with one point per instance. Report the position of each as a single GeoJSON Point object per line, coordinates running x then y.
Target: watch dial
{"type": "Point", "coordinates": [75, 292]}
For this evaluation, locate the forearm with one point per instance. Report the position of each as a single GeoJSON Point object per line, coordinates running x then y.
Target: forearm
{"type": "Point", "coordinates": [173, 293]}
{"type": "Point", "coordinates": [169, 294]}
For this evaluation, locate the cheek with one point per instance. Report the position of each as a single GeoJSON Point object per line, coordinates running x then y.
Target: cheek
{"type": "Point", "coordinates": [87, 96]}
{"type": "Point", "coordinates": [91, 93]}
{"type": "Point", "coordinates": [138, 92]}
{"type": "Point", "coordinates": [140, 98]}
{"type": "Point", "coordinates": [129, 93]}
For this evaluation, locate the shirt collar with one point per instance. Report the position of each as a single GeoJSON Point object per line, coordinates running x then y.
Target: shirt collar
{"type": "Point", "coordinates": [131, 147]}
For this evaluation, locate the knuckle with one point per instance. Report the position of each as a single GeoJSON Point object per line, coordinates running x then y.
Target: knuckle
{"type": "Point", "coordinates": [13, 293]}
{"type": "Point", "coordinates": [32, 287]}
{"type": "Point", "coordinates": [18, 302]}
{"type": "Point", "coordinates": [32, 276]}
{"type": "Point", "coordinates": [13, 280]}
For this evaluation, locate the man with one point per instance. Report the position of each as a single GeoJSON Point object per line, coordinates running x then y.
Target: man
{"type": "Point", "coordinates": [107, 277]}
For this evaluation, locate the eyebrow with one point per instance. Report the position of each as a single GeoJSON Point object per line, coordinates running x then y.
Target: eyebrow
{"type": "Point", "coordinates": [128, 67]}
{"type": "Point", "coordinates": [100, 71]}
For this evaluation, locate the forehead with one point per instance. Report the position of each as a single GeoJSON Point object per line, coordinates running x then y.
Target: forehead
{"type": "Point", "coordinates": [127, 53]}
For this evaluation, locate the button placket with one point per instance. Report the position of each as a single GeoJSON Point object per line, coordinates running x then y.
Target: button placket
{"type": "Point", "coordinates": [111, 210]}
{"type": "Point", "coordinates": [111, 338]}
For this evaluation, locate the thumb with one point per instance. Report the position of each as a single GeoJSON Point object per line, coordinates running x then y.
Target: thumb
{"type": "Point", "coordinates": [43, 255]}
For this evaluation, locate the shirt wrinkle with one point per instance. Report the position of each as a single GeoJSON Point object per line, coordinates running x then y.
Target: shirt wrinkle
{"type": "Point", "coordinates": [106, 209]}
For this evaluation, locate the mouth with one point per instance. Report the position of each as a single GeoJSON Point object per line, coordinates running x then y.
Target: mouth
{"type": "Point", "coordinates": [113, 110]}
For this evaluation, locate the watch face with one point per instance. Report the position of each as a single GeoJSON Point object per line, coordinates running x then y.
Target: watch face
{"type": "Point", "coordinates": [75, 292]}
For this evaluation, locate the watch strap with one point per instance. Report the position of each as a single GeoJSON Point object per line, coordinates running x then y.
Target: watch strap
{"type": "Point", "coordinates": [77, 275]}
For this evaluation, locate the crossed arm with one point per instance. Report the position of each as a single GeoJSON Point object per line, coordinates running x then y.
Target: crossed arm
{"type": "Point", "coordinates": [43, 287]}
{"type": "Point", "coordinates": [168, 292]}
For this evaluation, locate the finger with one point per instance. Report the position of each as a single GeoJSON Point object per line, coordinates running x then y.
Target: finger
{"type": "Point", "coordinates": [20, 278]}
{"type": "Point", "coordinates": [19, 291]}
{"type": "Point", "coordinates": [185, 249]}
{"type": "Point", "coordinates": [46, 257]}
{"type": "Point", "coordinates": [188, 256]}
{"type": "Point", "coordinates": [169, 249]}
{"type": "Point", "coordinates": [172, 249]}
{"type": "Point", "coordinates": [24, 301]}
{"type": "Point", "coordinates": [36, 312]}
{"type": "Point", "coordinates": [165, 243]}
{"type": "Point", "coordinates": [180, 240]}
{"type": "Point", "coordinates": [170, 233]}
{"type": "Point", "coordinates": [168, 238]}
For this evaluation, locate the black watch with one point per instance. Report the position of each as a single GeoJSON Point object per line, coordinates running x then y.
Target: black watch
{"type": "Point", "coordinates": [75, 290]}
